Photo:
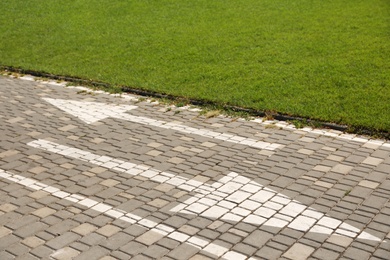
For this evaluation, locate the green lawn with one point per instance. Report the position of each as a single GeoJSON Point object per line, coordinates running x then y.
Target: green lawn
{"type": "Point", "coordinates": [321, 59]}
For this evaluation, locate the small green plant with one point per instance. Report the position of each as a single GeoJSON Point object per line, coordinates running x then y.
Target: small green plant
{"type": "Point", "coordinates": [82, 92]}
{"type": "Point", "coordinates": [347, 192]}
{"type": "Point", "coordinates": [298, 124]}
{"type": "Point", "coordinates": [212, 113]}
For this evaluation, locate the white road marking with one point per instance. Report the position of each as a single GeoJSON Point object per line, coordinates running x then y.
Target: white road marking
{"type": "Point", "coordinates": [232, 198]}
{"type": "Point", "coordinates": [91, 112]}
{"type": "Point", "coordinates": [108, 210]}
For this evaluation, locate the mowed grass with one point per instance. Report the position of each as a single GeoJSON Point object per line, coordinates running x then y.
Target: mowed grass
{"type": "Point", "coordinates": [326, 60]}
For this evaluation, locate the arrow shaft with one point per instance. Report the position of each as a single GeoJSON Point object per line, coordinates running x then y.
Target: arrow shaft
{"type": "Point", "coordinates": [123, 166]}
{"type": "Point", "coordinates": [198, 131]}
{"type": "Point", "coordinates": [233, 197]}
{"type": "Point", "coordinates": [159, 229]}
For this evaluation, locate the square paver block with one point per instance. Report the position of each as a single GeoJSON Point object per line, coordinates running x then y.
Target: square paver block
{"type": "Point", "coordinates": [150, 237]}
{"type": "Point", "coordinates": [258, 238]}
{"type": "Point", "coordinates": [108, 230]}
{"type": "Point", "coordinates": [299, 252]}
{"type": "Point", "coordinates": [65, 253]}
{"type": "Point", "coordinates": [43, 212]}
{"type": "Point", "coordinates": [84, 229]}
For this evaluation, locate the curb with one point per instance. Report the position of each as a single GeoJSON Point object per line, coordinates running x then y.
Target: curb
{"type": "Point", "coordinates": [253, 112]}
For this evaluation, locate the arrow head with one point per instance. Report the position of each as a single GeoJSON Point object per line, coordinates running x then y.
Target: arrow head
{"type": "Point", "coordinates": [89, 112]}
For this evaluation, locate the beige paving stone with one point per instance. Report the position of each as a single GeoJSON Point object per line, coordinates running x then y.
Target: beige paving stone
{"type": "Point", "coordinates": [200, 257]}
{"type": "Point", "coordinates": [43, 212]}
{"type": "Point", "coordinates": [64, 118]}
{"type": "Point", "coordinates": [196, 150]}
{"type": "Point", "coordinates": [154, 145]}
{"type": "Point", "coordinates": [322, 168]}
{"type": "Point", "coordinates": [109, 182]}
{"type": "Point", "coordinates": [201, 178]}
{"type": "Point", "coordinates": [342, 168]}
{"type": "Point", "coordinates": [33, 241]}
{"type": "Point", "coordinates": [368, 184]}
{"type": "Point", "coordinates": [90, 174]}
{"type": "Point", "coordinates": [98, 140]}
{"type": "Point", "coordinates": [126, 195]}
{"type": "Point", "coordinates": [149, 237]}
{"type": "Point", "coordinates": [37, 170]}
{"type": "Point", "coordinates": [7, 207]}
{"type": "Point", "coordinates": [216, 224]}
{"type": "Point", "coordinates": [340, 240]}
{"type": "Point", "coordinates": [180, 149]}
{"type": "Point", "coordinates": [371, 145]}
{"type": "Point", "coordinates": [108, 230]}
{"type": "Point", "coordinates": [154, 153]}
{"type": "Point", "coordinates": [98, 170]}
{"type": "Point", "coordinates": [107, 257]}
{"type": "Point", "coordinates": [34, 133]}
{"type": "Point", "coordinates": [324, 184]}
{"type": "Point", "coordinates": [35, 157]}
{"type": "Point", "coordinates": [4, 231]}
{"type": "Point", "coordinates": [186, 138]}
{"type": "Point", "coordinates": [180, 194]}
{"type": "Point", "coordinates": [176, 160]}
{"type": "Point", "coordinates": [158, 203]}
{"type": "Point", "coordinates": [217, 125]}
{"type": "Point", "coordinates": [84, 229]}
{"type": "Point", "coordinates": [74, 210]}
{"type": "Point", "coordinates": [266, 152]}
{"type": "Point", "coordinates": [208, 144]}
{"type": "Point", "coordinates": [67, 166]}
{"type": "Point", "coordinates": [299, 252]}
{"type": "Point", "coordinates": [164, 187]}
{"type": "Point", "coordinates": [335, 158]}
{"type": "Point", "coordinates": [15, 120]}
{"type": "Point", "coordinates": [67, 128]}
{"type": "Point", "coordinates": [73, 137]}
{"type": "Point", "coordinates": [189, 230]}
{"type": "Point", "coordinates": [331, 149]}
{"type": "Point", "coordinates": [27, 125]}
{"type": "Point", "coordinates": [65, 253]}
{"type": "Point", "coordinates": [305, 151]}
{"type": "Point", "coordinates": [8, 153]}
{"type": "Point", "coordinates": [372, 161]}
{"type": "Point", "coordinates": [307, 139]}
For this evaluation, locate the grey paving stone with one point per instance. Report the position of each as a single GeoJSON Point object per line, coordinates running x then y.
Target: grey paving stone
{"type": "Point", "coordinates": [183, 251]}
{"type": "Point", "coordinates": [116, 241]}
{"type": "Point", "coordinates": [42, 251]}
{"type": "Point", "coordinates": [155, 251]}
{"type": "Point", "coordinates": [258, 238]}
{"type": "Point", "coordinates": [62, 240]}
{"type": "Point", "coordinates": [92, 239]}
{"type": "Point", "coordinates": [356, 253]}
{"type": "Point", "coordinates": [6, 256]}
{"type": "Point", "coordinates": [94, 252]}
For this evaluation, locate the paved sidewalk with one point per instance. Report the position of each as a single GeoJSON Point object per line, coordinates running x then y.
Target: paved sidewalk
{"type": "Point", "coordinates": [88, 175]}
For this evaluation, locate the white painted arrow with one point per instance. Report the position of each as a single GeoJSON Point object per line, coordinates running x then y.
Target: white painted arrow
{"type": "Point", "coordinates": [231, 198]}
{"type": "Point", "coordinates": [159, 230]}
{"type": "Point", "coordinates": [91, 112]}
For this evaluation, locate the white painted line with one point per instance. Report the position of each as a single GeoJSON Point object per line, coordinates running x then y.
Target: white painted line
{"type": "Point", "coordinates": [91, 112]}
{"type": "Point", "coordinates": [162, 229]}
{"type": "Point", "coordinates": [232, 198]}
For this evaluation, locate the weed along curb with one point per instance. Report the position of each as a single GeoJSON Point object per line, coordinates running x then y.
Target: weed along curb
{"type": "Point", "coordinates": [297, 121]}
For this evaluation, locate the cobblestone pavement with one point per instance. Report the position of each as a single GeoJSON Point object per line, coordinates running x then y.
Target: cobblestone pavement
{"type": "Point", "coordinates": [95, 176]}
